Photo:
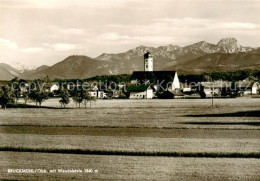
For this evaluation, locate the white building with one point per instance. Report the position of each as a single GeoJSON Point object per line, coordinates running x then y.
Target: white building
{"type": "Point", "coordinates": [54, 87]}
{"type": "Point", "coordinates": [187, 89]}
{"type": "Point", "coordinates": [255, 88]}
{"type": "Point", "coordinates": [95, 92]}
{"type": "Point", "coordinates": [247, 87]}
{"type": "Point", "coordinates": [140, 92]}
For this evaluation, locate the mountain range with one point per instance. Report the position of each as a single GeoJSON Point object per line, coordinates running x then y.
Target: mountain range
{"type": "Point", "coordinates": [226, 55]}
{"type": "Point", "coordinates": [7, 72]}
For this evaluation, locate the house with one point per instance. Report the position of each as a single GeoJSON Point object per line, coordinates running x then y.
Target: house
{"type": "Point", "coordinates": [95, 92]}
{"type": "Point", "coordinates": [98, 94]}
{"type": "Point", "coordinates": [214, 88]}
{"type": "Point", "coordinates": [54, 88]}
{"type": "Point", "coordinates": [247, 87]}
{"type": "Point", "coordinates": [140, 91]}
{"type": "Point", "coordinates": [185, 87]}
{"type": "Point", "coordinates": [242, 87]}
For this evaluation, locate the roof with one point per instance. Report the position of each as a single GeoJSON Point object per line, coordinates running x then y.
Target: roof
{"type": "Point", "coordinates": [176, 93]}
{"type": "Point", "coordinates": [251, 78]}
{"type": "Point", "coordinates": [223, 84]}
{"type": "Point", "coordinates": [216, 84]}
{"type": "Point", "coordinates": [147, 55]}
{"type": "Point", "coordinates": [138, 88]}
{"type": "Point", "coordinates": [153, 76]}
{"type": "Point", "coordinates": [245, 84]}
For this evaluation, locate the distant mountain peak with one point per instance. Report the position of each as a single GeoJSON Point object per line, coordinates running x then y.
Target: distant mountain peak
{"type": "Point", "coordinates": [43, 67]}
{"type": "Point", "coordinates": [201, 46]}
{"type": "Point", "coordinates": [228, 40]}
{"type": "Point", "coordinates": [229, 45]}
{"type": "Point", "coordinates": [140, 50]}
{"type": "Point", "coordinates": [81, 56]}
{"type": "Point", "coordinates": [141, 47]}
{"type": "Point", "coordinates": [202, 42]}
{"type": "Point", "coordinates": [169, 47]}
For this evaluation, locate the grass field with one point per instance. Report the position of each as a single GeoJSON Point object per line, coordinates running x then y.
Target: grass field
{"type": "Point", "coordinates": [134, 168]}
{"type": "Point", "coordinates": [232, 126]}
{"type": "Point", "coordinates": [140, 113]}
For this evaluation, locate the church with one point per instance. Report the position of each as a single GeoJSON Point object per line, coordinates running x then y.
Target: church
{"type": "Point", "coordinates": [146, 84]}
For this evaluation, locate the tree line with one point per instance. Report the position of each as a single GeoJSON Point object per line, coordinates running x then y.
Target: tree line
{"type": "Point", "coordinates": [38, 92]}
{"type": "Point", "coordinates": [225, 76]}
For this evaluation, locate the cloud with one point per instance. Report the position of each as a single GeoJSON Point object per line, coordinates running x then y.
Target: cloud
{"type": "Point", "coordinates": [201, 23]}
{"type": "Point", "coordinates": [32, 50]}
{"type": "Point", "coordinates": [59, 4]}
{"type": "Point", "coordinates": [63, 46]}
{"type": "Point", "coordinates": [50, 47]}
{"type": "Point", "coordinates": [112, 36]}
{"type": "Point", "coordinates": [62, 31]}
{"type": "Point", "coordinates": [72, 31]}
{"type": "Point", "coordinates": [115, 38]}
{"type": "Point", "coordinates": [8, 44]}
{"type": "Point", "coordinates": [56, 47]}
{"type": "Point", "coordinates": [189, 27]}
{"type": "Point", "coordinates": [238, 25]}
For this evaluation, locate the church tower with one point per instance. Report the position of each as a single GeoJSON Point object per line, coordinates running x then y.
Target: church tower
{"type": "Point", "coordinates": [148, 62]}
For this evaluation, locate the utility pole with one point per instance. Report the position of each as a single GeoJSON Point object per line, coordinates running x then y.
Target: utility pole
{"type": "Point", "coordinates": [212, 96]}
{"type": "Point", "coordinates": [212, 92]}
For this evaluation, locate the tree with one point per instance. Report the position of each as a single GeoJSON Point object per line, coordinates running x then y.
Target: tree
{"type": "Point", "coordinates": [26, 97]}
{"type": "Point", "coordinates": [65, 99]}
{"type": "Point", "coordinates": [77, 100]}
{"type": "Point", "coordinates": [38, 96]}
{"type": "Point", "coordinates": [6, 96]}
{"type": "Point", "coordinates": [17, 93]}
{"type": "Point", "coordinates": [16, 88]}
{"type": "Point", "coordinates": [82, 96]}
{"type": "Point", "coordinates": [224, 92]}
{"type": "Point", "coordinates": [201, 91]}
{"type": "Point", "coordinates": [232, 91]}
{"type": "Point", "coordinates": [88, 98]}
{"type": "Point", "coordinates": [37, 92]}
{"type": "Point", "coordinates": [76, 96]}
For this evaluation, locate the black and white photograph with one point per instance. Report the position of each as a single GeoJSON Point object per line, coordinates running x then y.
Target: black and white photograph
{"type": "Point", "coordinates": [130, 90]}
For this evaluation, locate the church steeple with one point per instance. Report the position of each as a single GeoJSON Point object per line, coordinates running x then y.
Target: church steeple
{"type": "Point", "coordinates": [148, 62]}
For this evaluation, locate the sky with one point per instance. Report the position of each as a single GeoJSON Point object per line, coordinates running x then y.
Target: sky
{"type": "Point", "coordinates": [44, 32]}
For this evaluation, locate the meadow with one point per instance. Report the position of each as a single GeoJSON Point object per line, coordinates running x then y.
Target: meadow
{"type": "Point", "coordinates": [130, 167]}
{"type": "Point", "coordinates": [188, 130]}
